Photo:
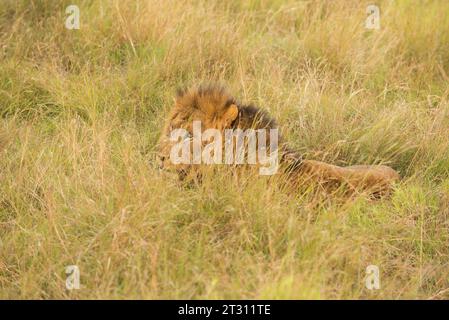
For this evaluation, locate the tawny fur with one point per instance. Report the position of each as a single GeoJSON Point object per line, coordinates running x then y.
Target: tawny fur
{"type": "Point", "coordinates": [216, 108]}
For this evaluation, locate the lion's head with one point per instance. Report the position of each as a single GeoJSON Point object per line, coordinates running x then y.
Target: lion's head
{"type": "Point", "coordinates": [211, 105]}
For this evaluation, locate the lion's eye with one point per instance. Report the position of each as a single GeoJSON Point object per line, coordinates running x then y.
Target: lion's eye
{"type": "Point", "coordinates": [188, 135]}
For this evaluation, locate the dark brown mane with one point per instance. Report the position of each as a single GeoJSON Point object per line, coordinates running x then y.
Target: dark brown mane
{"type": "Point", "coordinates": [253, 117]}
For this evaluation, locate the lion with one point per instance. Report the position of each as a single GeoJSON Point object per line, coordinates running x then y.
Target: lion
{"type": "Point", "coordinates": [215, 108]}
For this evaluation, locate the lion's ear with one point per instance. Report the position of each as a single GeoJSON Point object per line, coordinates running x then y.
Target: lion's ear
{"type": "Point", "coordinates": [230, 114]}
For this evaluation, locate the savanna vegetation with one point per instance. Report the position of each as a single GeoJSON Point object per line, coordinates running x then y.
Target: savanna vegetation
{"type": "Point", "coordinates": [81, 112]}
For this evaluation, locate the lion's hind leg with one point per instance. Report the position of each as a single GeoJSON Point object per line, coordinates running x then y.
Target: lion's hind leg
{"type": "Point", "coordinates": [376, 180]}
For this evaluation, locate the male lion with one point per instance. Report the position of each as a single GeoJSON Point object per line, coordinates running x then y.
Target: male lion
{"type": "Point", "coordinates": [215, 108]}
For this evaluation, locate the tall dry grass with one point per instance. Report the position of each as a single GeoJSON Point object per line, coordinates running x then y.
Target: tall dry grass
{"type": "Point", "coordinates": [81, 111]}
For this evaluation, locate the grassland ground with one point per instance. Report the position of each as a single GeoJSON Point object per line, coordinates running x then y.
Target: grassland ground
{"type": "Point", "coordinates": [81, 112]}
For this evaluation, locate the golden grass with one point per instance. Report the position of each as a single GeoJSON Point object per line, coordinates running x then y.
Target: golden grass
{"type": "Point", "coordinates": [82, 111]}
